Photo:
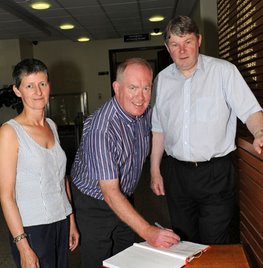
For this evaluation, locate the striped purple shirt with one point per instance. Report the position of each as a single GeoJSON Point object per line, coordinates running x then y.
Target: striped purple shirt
{"type": "Point", "coordinates": [114, 145]}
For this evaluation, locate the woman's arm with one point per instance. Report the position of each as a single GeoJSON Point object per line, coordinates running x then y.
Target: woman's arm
{"type": "Point", "coordinates": [8, 165]}
{"type": "Point", "coordinates": [73, 230]}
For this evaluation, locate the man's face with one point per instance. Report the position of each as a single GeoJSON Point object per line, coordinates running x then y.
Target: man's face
{"type": "Point", "coordinates": [133, 89]}
{"type": "Point", "coordinates": [184, 51]}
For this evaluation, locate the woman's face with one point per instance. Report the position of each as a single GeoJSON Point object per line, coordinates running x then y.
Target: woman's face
{"type": "Point", "coordinates": [34, 90]}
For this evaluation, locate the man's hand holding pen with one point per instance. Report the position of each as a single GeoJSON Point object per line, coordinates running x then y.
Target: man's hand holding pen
{"type": "Point", "coordinates": [161, 237]}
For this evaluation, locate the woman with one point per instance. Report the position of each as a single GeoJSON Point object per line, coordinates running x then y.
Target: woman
{"type": "Point", "coordinates": [34, 193]}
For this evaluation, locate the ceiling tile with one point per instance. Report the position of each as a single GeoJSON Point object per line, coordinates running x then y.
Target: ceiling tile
{"type": "Point", "coordinates": [100, 19]}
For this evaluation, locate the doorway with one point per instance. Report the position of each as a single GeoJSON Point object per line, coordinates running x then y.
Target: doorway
{"type": "Point", "coordinates": [157, 56]}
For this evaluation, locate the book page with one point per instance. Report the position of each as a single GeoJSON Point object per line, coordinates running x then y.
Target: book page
{"type": "Point", "coordinates": [139, 257]}
{"type": "Point", "coordinates": [184, 250]}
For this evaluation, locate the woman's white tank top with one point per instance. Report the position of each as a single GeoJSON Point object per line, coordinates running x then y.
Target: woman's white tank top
{"type": "Point", "coordinates": [40, 185]}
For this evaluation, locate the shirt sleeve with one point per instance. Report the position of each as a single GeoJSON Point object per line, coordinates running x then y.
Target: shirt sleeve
{"type": "Point", "coordinates": [239, 96]}
{"type": "Point", "coordinates": [156, 124]}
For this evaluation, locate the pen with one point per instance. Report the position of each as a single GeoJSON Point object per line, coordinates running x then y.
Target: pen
{"type": "Point", "coordinates": [159, 225]}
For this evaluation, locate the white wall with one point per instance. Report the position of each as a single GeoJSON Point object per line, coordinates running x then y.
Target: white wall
{"type": "Point", "coordinates": [208, 9]}
{"type": "Point", "coordinates": [205, 15]}
{"type": "Point", "coordinates": [9, 57]}
{"type": "Point", "coordinates": [74, 66]}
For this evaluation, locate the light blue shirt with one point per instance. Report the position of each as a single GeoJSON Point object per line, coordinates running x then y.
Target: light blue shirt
{"type": "Point", "coordinates": [198, 115]}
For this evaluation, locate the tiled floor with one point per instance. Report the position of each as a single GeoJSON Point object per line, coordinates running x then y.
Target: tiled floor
{"type": "Point", "coordinates": [152, 207]}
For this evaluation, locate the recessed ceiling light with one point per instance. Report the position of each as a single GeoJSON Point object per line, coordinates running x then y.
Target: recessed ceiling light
{"type": "Point", "coordinates": [156, 18]}
{"type": "Point", "coordinates": [66, 26]}
{"type": "Point", "coordinates": [40, 5]}
{"type": "Point", "coordinates": [156, 34]}
{"type": "Point", "coordinates": [83, 39]}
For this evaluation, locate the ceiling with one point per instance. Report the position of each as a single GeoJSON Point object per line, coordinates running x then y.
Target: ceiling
{"type": "Point", "coordinates": [96, 19]}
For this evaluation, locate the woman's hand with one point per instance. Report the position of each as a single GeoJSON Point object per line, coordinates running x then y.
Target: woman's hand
{"type": "Point", "coordinates": [28, 258]}
{"type": "Point", "coordinates": [73, 234]}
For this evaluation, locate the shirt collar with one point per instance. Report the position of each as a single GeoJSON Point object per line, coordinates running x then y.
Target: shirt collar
{"type": "Point", "coordinates": [199, 66]}
{"type": "Point", "coordinates": [200, 63]}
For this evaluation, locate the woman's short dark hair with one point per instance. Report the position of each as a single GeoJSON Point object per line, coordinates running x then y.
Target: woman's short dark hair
{"type": "Point", "coordinates": [180, 26]}
{"type": "Point", "coordinates": [26, 67]}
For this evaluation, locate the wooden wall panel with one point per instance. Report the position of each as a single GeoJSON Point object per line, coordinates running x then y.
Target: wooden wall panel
{"type": "Point", "coordinates": [240, 34]}
{"type": "Point", "coordinates": [250, 173]}
{"type": "Point", "coordinates": [240, 31]}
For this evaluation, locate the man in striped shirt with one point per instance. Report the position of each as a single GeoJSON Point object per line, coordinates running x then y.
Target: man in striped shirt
{"type": "Point", "coordinates": [108, 165]}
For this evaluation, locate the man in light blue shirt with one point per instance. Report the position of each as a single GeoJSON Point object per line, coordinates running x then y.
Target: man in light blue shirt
{"type": "Point", "coordinates": [198, 100]}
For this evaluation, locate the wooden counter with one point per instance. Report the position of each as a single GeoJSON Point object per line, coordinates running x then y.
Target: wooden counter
{"type": "Point", "coordinates": [221, 256]}
{"type": "Point", "coordinates": [250, 177]}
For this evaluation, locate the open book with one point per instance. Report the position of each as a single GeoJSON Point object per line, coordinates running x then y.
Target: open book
{"type": "Point", "coordinates": [142, 255]}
